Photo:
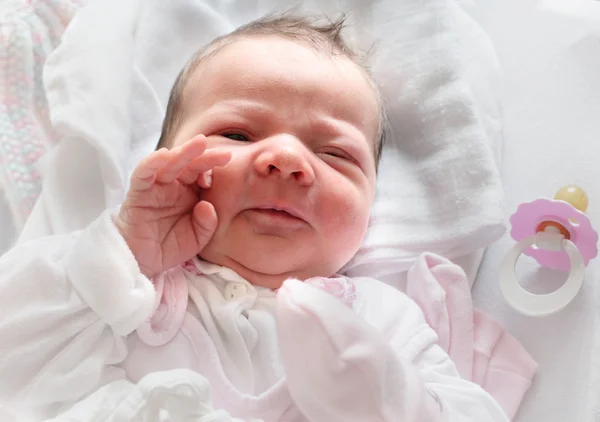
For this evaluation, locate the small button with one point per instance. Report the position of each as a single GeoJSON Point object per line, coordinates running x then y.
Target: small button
{"type": "Point", "coordinates": [235, 290]}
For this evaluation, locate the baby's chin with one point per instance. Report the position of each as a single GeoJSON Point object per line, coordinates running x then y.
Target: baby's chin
{"type": "Point", "coordinates": [271, 273]}
{"type": "Point", "coordinates": [268, 260]}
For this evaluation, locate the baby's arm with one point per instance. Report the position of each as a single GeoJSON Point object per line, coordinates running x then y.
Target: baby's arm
{"type": "Point", "coordinates": [66, 304]}
{"type": "Point", "coordinates": [382, 365]}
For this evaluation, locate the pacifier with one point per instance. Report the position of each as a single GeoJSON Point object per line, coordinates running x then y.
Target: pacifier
{"type": "Point", "coordinates": [557, 234]}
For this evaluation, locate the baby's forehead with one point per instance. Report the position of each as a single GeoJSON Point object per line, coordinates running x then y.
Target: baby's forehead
{"type": "Point", "coordinates": [268, 50]}
{"type": "Point", "coordinates": [262, 65]}
{"type": "Point", "coordinates": [282, 61]}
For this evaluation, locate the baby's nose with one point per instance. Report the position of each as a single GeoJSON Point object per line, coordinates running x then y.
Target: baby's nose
{"type": "Point", "coordinates": [287, 157]}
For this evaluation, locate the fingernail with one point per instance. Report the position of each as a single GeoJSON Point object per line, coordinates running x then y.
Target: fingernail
{"type": "Point", "coordinates": [208, 178]}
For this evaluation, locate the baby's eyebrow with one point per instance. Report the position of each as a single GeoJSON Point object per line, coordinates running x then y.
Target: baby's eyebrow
{"type": "Point", "coordinates": [243, 111]}
{"type": "Point", "coordinates": [333, 125]}
{"type": "Point", "coordinates": [347, 130]}
{"type": "Point", "coordinates": [245, 107]}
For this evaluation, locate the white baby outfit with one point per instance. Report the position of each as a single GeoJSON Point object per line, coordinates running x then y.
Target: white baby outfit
{"type": "Point", "coordinates": [84, 332]}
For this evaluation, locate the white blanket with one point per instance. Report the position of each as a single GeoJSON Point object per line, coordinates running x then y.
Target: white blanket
{"type": "Point", "coordinates": [439, 188]}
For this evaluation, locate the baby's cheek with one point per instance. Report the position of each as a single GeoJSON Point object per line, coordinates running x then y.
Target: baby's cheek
{"type": "Point", "coordinates": [223, 191]}
{"type": "Point", "coordinates": [347, 218]}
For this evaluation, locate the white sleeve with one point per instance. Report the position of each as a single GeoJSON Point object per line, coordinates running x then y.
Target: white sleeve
{"type": "Point", "coordinates": [427, 380]}
{"type": "Point", "coordinates": [67, 302]}
{"type": "Point", "coordinates": [376, 363]}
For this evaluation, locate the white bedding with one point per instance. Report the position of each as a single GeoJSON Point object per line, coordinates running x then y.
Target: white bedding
{"type": "Point", "coordinates": [550, 59]}
{"type": "Point", "coordinates": [550, 56]}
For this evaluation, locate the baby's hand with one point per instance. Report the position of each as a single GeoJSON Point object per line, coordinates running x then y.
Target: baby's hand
{"type": "Point", "coordinates": [338, 367]}
{"type": "Point", "coordinates": [163, 219]}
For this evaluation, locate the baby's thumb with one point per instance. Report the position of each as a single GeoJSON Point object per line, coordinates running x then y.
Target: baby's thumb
{"type": "Point", "coordinates": [204, 221]}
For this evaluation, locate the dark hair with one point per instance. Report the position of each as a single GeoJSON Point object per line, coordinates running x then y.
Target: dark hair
{"type": "Point", "coordinates": [323, 36]}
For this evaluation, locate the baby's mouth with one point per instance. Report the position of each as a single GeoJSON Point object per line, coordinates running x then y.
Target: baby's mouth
{"type": "Point", "coordinates": [281, 209]}
{"type": "Point", "coordinates": [276, 213]}
{"type": "Point", "coordinates": [276, 217]}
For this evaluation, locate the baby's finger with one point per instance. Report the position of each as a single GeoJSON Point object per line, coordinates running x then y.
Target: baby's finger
{"type": "Point", "coordinates": [204, 180]}
{"type": "Point", "coordinates": [188, 177]}
{"type": "Point", "coordinates": [144, 175]}
{"type": "Point", "coordinates": [207, 161]}
{"type": "Point", "coordinates": [181, 157]}
{"type": "Point", "coordinates": [204, 218]}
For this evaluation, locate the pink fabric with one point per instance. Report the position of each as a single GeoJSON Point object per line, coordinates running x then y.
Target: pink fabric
{"type": "Point", "coordinates": [481, 349]}
{"type": "Point", "coordinates": [169, 309]}
{"type": "Point", "coordinates": [341, 287]}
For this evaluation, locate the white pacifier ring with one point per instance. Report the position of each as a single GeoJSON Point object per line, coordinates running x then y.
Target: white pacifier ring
{"type": "Point", "coordinates": [545, 304]}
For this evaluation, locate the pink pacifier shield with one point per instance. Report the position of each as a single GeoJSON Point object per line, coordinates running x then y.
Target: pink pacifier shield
{"type": "Point", "coordinates": [529, 215]}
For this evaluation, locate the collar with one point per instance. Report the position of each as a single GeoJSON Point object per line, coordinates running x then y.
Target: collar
{"type": "Point", "coordinates": [200, 267]}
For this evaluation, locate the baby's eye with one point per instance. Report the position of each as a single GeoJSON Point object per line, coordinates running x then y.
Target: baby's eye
{"type": "Point", "coordinates": [335, 152]}
{"type": "Point", "coordinates": [236, 137]}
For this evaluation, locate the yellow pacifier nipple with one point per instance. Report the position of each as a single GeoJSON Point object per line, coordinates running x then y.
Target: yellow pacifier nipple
{"type": "Point", "coordinates": [574, 195]}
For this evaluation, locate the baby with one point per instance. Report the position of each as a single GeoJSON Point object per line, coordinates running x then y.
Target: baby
{"type": "Point", "coordinates": [217, 276]}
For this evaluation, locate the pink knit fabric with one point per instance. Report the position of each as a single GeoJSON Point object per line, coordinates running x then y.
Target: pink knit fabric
{"type": "Point", "coordinates": [29, 31]}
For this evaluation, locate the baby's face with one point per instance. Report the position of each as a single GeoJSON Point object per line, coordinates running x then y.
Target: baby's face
{"type": "Point", "coordinates": [294, 200]}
